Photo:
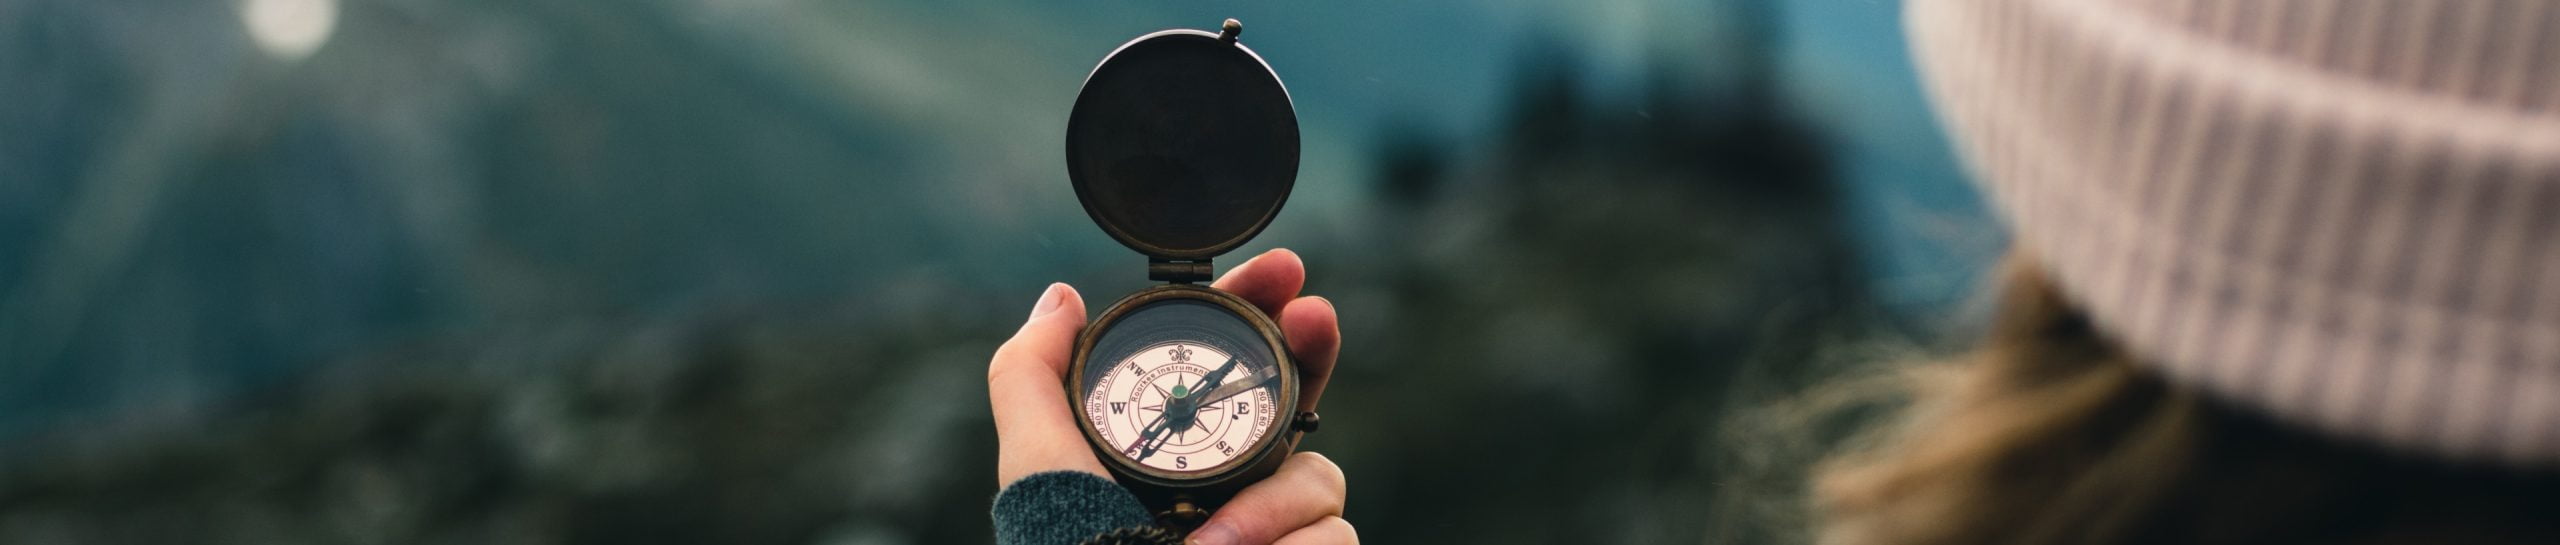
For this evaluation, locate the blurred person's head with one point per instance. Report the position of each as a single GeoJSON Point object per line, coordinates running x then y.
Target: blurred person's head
{"type": "Point", "coordinates": [2285, 272]}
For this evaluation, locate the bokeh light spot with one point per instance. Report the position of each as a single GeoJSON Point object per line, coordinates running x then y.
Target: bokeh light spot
{"type": "Point", "coordinates": [289, 30]}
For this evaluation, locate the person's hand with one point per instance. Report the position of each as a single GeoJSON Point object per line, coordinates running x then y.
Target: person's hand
{"type": "Point", "coordinates": [1036, 432]}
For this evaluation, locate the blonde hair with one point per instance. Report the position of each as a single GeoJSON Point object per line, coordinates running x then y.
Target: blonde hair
{"type": "Point", "coordinates": [2051, 434]}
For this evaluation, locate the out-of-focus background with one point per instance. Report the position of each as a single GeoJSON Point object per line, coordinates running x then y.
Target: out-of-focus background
{"type": "Point", "coordinates": [728, 271]}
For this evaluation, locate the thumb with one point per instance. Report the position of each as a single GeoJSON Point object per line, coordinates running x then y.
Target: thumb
{"type": "Point", "coordinates": [1026, 391]}
{"type": "Point", "coordinates": [1306, 490]}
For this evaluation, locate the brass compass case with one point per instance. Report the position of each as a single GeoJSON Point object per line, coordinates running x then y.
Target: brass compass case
{"type": "Point", "coordinates": [1182, 146]}
{"type": "Point", "coordinates": [1166, 490]}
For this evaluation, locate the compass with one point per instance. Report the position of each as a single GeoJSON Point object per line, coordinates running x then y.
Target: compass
{"type": "Point", "coordinates": [1182, 146]}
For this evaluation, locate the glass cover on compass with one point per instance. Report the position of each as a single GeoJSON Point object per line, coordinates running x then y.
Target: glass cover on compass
{"type": "Point", "coordinates": [1183, 386]}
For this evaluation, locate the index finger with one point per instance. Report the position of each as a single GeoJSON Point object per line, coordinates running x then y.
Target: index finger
{"type": "Point", "coordinates": [1271, 281]}
{"type": "Point", "coordinates": [1268, 281]}
{"type": "Point", "coordinates": [1315, 339]}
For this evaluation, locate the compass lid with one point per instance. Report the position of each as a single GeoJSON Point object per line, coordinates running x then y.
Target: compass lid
{"type": "Point", "coordinates": [1183, 144]}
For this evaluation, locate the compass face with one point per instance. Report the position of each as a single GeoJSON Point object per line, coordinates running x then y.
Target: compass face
{"type": "Point", "coordinates": [1183, 406]}
{"type": "Point", "coordinates": [1183, 388]}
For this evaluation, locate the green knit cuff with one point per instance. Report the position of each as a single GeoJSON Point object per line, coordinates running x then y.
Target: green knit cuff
{"type": "Point", "coordinates": [1064, 508]}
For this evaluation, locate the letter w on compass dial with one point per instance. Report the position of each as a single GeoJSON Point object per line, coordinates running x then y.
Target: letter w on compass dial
{"type": "Point", "coordinates": [1184, 406]}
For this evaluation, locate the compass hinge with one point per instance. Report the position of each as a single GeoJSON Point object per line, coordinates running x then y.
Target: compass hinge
{"type": "Point", "coordinates": [1178, 271]}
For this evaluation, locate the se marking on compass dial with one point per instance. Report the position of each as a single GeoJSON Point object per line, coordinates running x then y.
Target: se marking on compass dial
{"type": "Point", "coordinates": [1183, 406]}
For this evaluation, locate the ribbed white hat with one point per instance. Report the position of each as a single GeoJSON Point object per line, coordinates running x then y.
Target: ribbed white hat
{"type": "Point", "coordinates": [2345, 214]}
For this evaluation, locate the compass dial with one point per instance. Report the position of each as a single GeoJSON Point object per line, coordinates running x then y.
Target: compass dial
{"type": "Point", "coordinates": [1183, 406]}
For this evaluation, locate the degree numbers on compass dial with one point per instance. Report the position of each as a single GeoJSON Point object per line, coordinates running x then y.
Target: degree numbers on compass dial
{"type": "Point", "coordinates": [1183, 406]}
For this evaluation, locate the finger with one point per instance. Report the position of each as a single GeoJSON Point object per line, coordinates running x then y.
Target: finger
{"type": "Point", "coordinates": [1025, 389]}
{"type": "Point", "coordinates": [1268, 281]}
{"type": "Point", "coordinates": [1315, 338]}
{"type": "Point", "coordinates": [1307, 489]}
{"type": "Point", "coordinates": [1330, 531]}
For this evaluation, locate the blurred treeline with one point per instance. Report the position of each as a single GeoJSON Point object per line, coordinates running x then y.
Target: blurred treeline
{"type": "Point", "coordinates": [1555, 335]}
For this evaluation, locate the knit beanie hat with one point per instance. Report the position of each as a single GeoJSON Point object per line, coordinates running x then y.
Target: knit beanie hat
{"type": "Point", "coordinates": [2345, 215]}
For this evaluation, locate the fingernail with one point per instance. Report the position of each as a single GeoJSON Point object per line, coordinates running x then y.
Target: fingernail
{"type": "Point", "coordinates": [1214, 533]}
{"type": "Point", "coordinates": [1049, 299]}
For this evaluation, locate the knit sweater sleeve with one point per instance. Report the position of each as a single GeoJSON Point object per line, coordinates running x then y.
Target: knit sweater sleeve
{"type": "Point", "coordinates": [1064, 508]}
